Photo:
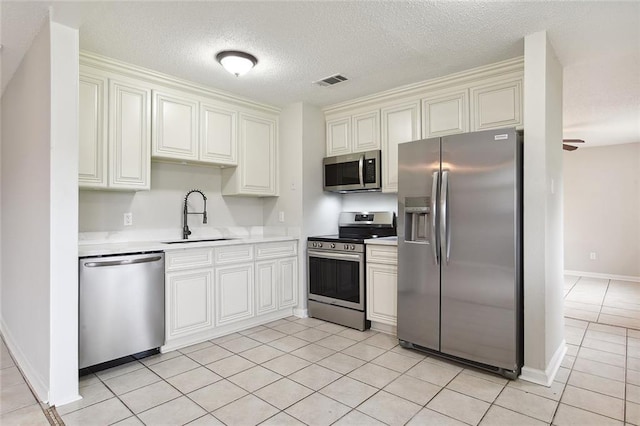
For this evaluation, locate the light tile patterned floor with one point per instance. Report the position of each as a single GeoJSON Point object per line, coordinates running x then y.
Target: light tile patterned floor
{"type": "Point", "coordinates": [306, 371]}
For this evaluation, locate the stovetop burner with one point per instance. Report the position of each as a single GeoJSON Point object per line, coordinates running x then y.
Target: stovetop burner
{"type": "Point", "coordinates": [355, 227]}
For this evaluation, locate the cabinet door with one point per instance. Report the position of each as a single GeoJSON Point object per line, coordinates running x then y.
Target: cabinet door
{"type": "Point", "coordinates": [189, 302]}
{"type": "Point", "coordinates": [266, 290]}
{"type": "Point", "coordinates": [288, 282]}
{"type": "Point", "coordinates": [92, 131]}
{"type": "Point", "coordinates": [496, 105]}
{"type": "Point", "coordinates": [339, 136]}
{"type": "Point", "coordinates": [218, 136]}
{"type": "Point", "coordinates": [234, 293]}
{"type": "Point", "coordinates": [258, 156]}
{"type": "Point", "coordinates": [400, 123]}
{"type": "Point", "coordinates": [382, 289]}
{"type": "Point", "coordinates": [129, 135]}
{"type": "Point", "coordinates": [175, 133]}
{"type": "Point", "coordinates": [445, 115]}
{"type": "Point", "coordinates": [366, 131]}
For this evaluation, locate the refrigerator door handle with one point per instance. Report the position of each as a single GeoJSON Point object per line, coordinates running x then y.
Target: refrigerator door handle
{"type": "Point", "coordinates": [361, 170]}
{"type": "Point", "coordinates": [445, 228]}
{"type": "Point", "coordinates": [434, 199]}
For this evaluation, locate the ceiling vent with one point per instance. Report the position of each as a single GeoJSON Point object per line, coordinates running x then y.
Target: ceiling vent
{"type": "Point", "coordinates": [331, 80]}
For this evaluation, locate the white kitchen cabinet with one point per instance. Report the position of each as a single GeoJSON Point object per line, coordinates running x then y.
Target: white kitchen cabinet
{"type": "Point", "coordinates": [189, 303]}
{"type": "Point", "coordinates": [256, 174]}
{"type": "Point", "coordinates": [92, 131]}
{"type": "Point", "coordinates": [288, 282]}
{"type": "Point", "coordinates": [495, 105]}
{"type": "Point", "coordinates": [354, 133]}
{"type": "Point", "coordinates": [129, 134]}
{"type": "Point", "coordinates": [339, 136]}
{"type": "Point", "coordinates": [218, 133]}
{"type": "Point", "coordinates": [175, 126]}
{"type": "Point", "coordinates": [400, 123]}
{"type": "Point", "coordinates": [382, 284]}
{"type": "Point", "coordinates": [266, 286]}
{"type": "Point", "coordinates": [445, 114]}
{"type": "Point", "coordinates": [234, 293]}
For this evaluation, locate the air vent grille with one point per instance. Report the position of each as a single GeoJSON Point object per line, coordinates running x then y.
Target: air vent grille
{"type": "Point", "coordinates": [331, 80]}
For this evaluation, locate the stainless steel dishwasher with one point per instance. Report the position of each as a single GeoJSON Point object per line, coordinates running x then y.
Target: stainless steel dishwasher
{"type": "Point", "coordinates": [121, 308]}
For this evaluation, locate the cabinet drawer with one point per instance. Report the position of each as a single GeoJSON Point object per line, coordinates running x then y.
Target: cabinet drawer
{"type": "Point", "coordinates": [277, 249]}
{"type": "Point", "coordinates": [188, 259]}
{"type": "Point", "coordinates": [233, 254]}
{"type": "Point", "coordinates": [382, 254]}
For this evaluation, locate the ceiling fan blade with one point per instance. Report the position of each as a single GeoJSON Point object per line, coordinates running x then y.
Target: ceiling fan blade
{"type": "Point", "coordinates": [569, 147]}
{"type": "Point", "coordinates": [573, 140]}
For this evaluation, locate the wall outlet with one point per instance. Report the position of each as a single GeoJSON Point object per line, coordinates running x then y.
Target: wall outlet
{"type": "Point", "coordinates": [281, 217]}
{"type": "Point", "coordinates": [128, 219]}
{"type": "Point", "coordinates": [593, 255]}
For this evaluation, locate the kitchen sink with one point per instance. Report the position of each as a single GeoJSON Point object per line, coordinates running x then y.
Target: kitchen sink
{"type": "Point", "coordinates": [196, 241]}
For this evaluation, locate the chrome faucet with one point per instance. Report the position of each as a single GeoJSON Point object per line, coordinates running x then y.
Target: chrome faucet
{"type": "Point", "coordinates": [185, 213]}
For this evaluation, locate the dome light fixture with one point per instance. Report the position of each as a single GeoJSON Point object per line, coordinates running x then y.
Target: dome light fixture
{"type": "Point", "coordinates": [236, 62]}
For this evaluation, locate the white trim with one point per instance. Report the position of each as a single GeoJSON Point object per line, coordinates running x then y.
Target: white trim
{"type": "Point", "coordinates": [301, 313]}
{"type": "Point", "coordinates": [545, 378]}
{"type": "Point", "coordinates": [603, 276]}
{"type": "Point", "coordinates": [384, 328]}
{"type": "Point", "coordinates": [35, 380]}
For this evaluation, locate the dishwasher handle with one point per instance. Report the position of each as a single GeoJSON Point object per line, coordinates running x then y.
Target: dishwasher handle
{"type": "Point", "coordinates": [123, 262]}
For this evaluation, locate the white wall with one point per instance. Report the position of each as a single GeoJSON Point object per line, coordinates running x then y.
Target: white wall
{"type": "Point", "coordinates": [103, 210]}
{"type": "Point", "coordinates": [370, 201]}
{"type": "Point", "coordinates": [602, 210]}
{"type": "Point", "coordinates": [26, 227]}
{"type": "Point", "coordinates": [544, 345]}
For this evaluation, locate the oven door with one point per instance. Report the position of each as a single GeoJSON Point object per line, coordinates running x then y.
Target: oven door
{"type": "Point", "coordinates": [336, 278]}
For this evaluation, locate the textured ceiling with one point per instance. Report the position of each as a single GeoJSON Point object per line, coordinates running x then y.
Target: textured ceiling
{"type": "Point", "coordinates": [378, 45]}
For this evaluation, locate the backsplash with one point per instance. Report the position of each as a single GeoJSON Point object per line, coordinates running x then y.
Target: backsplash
{"type": "Point", "coordinates": [369, 201]}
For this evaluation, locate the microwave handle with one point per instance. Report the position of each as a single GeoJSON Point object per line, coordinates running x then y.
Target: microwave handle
{"type": "Point", "coordinates": [361, 170]}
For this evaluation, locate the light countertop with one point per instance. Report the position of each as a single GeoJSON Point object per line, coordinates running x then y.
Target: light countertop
{"type": "Point", "coordinates": [383, 241]}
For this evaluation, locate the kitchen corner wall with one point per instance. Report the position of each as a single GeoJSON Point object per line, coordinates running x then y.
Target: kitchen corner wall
{"type": "Point", "coordinates": [602, 210]}
{"type": "Point", "coordinates": [161, 207]}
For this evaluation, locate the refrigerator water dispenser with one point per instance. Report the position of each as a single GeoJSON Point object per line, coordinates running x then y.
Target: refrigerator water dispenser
{"type": "Point", "coordinates": [417, 216]}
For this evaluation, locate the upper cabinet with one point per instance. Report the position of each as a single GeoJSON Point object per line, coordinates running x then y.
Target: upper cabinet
{"type": "Point", "coordinates": [400, 123]}
{"type": "Point", "coordinates": [497, 105]}
{"type": "Point", "coordinates": [175, 126]}
{"type": "Point", "coordinates": [218, 133]}
{"type": "Point", "coordinates": [338, 136]}
{"type": "Point", "coordinates": [92, 131]}
{"type": "Point", "coordinates": [445, 114]}
{"type": "Point", "coordinates": [357, 132]}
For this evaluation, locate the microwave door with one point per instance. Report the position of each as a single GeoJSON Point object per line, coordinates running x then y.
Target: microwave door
{"type": "Point", "coordinates": [343, 176]}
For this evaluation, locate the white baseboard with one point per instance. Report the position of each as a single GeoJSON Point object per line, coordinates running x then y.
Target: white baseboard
{"type": "Point", "coordinates": [545, 377]}
{"type": "Point", "coordinates": [384, 328]}
{"type": "Point", "coordinates": [604, 276]}
{"type": "Point", "coordinates": [34, 379]}
{"type": "Point", "coordinates": [301, 313]}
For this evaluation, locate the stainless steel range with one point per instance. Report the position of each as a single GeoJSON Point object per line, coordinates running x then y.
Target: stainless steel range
{"type": "Point", "coordinates": [336, 267]}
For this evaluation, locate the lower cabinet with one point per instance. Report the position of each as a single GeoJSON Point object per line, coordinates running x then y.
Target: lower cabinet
{"type": "Point", "coordinates": [234, 293]}
{"type": "Point", "coordinates": [382, 284]}
{"type": "Point", "coordinates": [276, 284]}
{"type": "Point", "coordinates": [189, 302]}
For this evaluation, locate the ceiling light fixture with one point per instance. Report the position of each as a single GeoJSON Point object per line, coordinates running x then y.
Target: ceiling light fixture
{"type": "Point", "coordinates": [236, 62]}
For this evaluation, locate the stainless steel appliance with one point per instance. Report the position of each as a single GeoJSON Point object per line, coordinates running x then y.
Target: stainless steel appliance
{"type": "Point", "coordinates": [459, 248]}
{"type": "Point", "coordinates": [353, 172]}
{"type": "Point", "coordinates": [336, 267]}
{"type": "Point", "coordinates": [121, 306]}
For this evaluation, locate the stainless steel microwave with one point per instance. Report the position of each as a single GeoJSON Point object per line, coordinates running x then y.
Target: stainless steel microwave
{"type": "Point", "coordinates": [352, 172]}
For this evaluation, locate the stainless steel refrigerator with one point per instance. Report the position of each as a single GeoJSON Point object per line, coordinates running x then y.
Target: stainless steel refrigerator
{"type": "Point", "coordinates": [460, 248]}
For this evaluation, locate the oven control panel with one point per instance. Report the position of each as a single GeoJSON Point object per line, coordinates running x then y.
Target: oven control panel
{"type": "Point", "coordinates": [335, 246]}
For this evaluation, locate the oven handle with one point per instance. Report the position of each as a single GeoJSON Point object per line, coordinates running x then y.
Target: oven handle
{"type": "Point", "coordinates": [338, 256]}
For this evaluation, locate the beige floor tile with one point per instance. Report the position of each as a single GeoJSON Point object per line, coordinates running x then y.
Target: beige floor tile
{"type": "Point", "coordinates": [605, 337]}
{"type": "Point", "coordinates": [632, 414]}
{"type": "Point", "coordinates": [552, 392]}
{"type": "Point", "coordinates": [254, 378]}
{"type": "Point", "coordinates": [261, 354]}
{"type": "Point", "coordinates": [277, 323]}
{"type": "Point", "coordinates": [383, 341]}
{"type": "Point", "coordinates": [247, 411]}
{"type": "Point", "coordinates": [600, 345]}
{"type": "Point", "coordinates": [240, 344]}
{"type": "Point", "coordinates": [286, 364]}
{"type": "Point", "coordinates": [311, 335]}
{"type": "Point", "coordinates": [309, 322]}
{"type": "Point", "coordinates": [619, 321]}
{"type": "Point", "coordinates": [149, 396]}
{"type": "Point", "coordinates": [562, 375]}
{"type": "Point", "coordinates": [620, 331]}
{"type": "Point", "coordinates": [576, 323]}
{"type": "Point", "coordinates": [389, 408]}
{"type": "Point", "coordinates": [594, 402]}
{"type": "Point", "coordinates": [268, 335]}
{"type": "Point", "coordinates": [363, 351]}
{"type": "Point", "coordinates": [572, 416]}
{"type": "Point", "coordinates": [568, 361]}
{"type": "Point", "coordinates": [341, 363]}
{"type": "Point", "coordinates": [331, 328]}
{"type": "Point", "coordinates": [475, 387]}
{"type": "Point", "coordinates": [412, 353]}
{"type": "Point", "coordinates": [495, 378]}
{"type": "Point", "coordinates": [288, 343]}
{"type": "Point", "coordinates": [129, 421]}
{"type": "Point", "coordinates": [217, 395]}
{"type": "Point", "coordinates": [314, 377]}
{"type": "Point", "coordinates": [633, 350]}
{"type": "Point", "coordinates": [206, 420]}
{"type": "Point", "coordinates": [290, 328]}
{"type": "Point", "coordinates": [208, 355]}
{"type": "Point", "coordinates": [317, 410]}
{"type": "Point", "coordinates": [102, 413]}
{"type": "Point", "coordinates": [356, 418]}
{"type": "Point", "coordinates": [580, 314]}
{"type": "Point", "coordinates": [5, 359]}
{"type": "Point", "coordinates": [599, 369]}
{"type": "Point", "coordinates": [225, 338]}
{"type": "Point", "coordinates": [313, 352]}
{"type": "Point", "coordinates": [444, 363]}
{"type": "Point", "coordinates": [174, 366]}
{"type": "Point", "coordinates": [573, 335]}
{"type": "Point", "coordinates": [633, 393]}
{"type": "Point", "coordinates": [602, 356]}
{"type": "Point", "coordinates": [193, 379]}
{"type": "Point", "coordinates": [337, 343]}
{"type": "Point", "coordinates": [459, 406]}
{"type": "Point", "coordinates": [229, 366]}
{"type": "Point", "coordinates": [415, 390]}
{"type": "Point", "coordinates": [633, 377]}
{"type": "Point", "coordinates": [498, 416]}
{"type": "Point", "coordinates": [253, 330]}
{"type": "Point", "coordinates": [528, 404]}
{"type": "Point", "coordinates": [15, 396]}
{"type": "Point", "coordinates": [154, 359]}
{"type": "Point", "coordinates": [11, 376]}
{"type": "Point", "coordinates": [634, 333]}
{"type": "Point", "coordinates": [598, 384]}
{"type": "Point", "coordinates": [119, 370]}
{"type": "Point", "coordinates": [430, 372]}
{"type": "Point", "coordinates": [196, 347]}
{"type": "Point", "coordinates": [31, 415]}
{"type": "Point", "coordinates": [633, 363]}
{"type": "Point", "coordinates": [621, 312]}
{"type": "Point", "coordinates": [176, 412]}
{"type": "Point", "coordinates": [283, 393]}
{"type": "Point", "coordinates": [582, 306]}
{"type": "Point", "coordinates": [132, 381]}
{"type": "Point", "coordinates": [572, 350]}
{"type": "Point", "coordinates": [430, 417]}
{"type": "Point", "coordinates": [88, 379]}
{"type": "Point", "coordinates": [348, 391]}
{"type": "Point", "coordinates": [374, 375]}
{"type": "Point", "coordinates": [91, 394]}
{"type": "Point", "coordinates": [394, 361]}
{"type": "Point", "coordinates": [282, 419]}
